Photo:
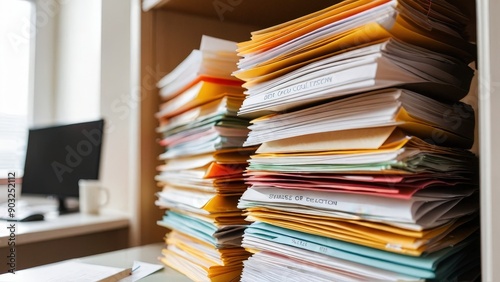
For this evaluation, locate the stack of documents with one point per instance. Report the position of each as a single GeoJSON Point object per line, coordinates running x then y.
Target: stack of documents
{"type": "Point", "coordinates": [204, 161]}
{"type": "Point", "coordinates": [282, 252]}
{"type": "Point", "coordinates": [357, 46]}
{"type": "Point", "coordinates": [363, 170]}
{"type": "Point", "coordinates": [213, 62]}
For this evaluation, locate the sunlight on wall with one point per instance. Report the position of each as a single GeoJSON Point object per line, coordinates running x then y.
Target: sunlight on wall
{"type": "Point", "coordinates": [15, 47]}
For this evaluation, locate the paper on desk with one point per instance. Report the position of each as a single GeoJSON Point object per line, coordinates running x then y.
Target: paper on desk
{"type": "Point", "coordinates": [68, 271]}
{"type": "Point", "coordinates": [140, 270]}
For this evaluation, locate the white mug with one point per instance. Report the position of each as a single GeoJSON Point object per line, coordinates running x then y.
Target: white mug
{"type": "Point", "coordinates": [92, 196]}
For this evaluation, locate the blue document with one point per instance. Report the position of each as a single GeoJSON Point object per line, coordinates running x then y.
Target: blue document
{"type": "Point", "coordinates": [191, 226]}
{"type": "Point", "coordinates": [424, 266]}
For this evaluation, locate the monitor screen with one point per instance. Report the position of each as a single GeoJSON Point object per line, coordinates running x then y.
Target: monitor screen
{"type": "Point", "coordinates": [58, 156]}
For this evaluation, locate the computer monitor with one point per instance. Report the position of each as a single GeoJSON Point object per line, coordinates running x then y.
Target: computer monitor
{"type": "Point", "coordinates": [58, 156]}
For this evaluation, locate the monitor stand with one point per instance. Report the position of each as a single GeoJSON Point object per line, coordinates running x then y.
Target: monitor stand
{"type": "Point", "coordinates": [63, 207]}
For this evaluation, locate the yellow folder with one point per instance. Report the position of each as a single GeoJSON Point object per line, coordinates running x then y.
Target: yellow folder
{"type": "Point", "coordinates": [377, 138]}
{"type": "Point", "coordinates": [409, 23]}
{"type": "Point", "coordinates": [275, 35]}
{"type": "Point", "coordinates": [197, 95]}
{"type": "Point", "coordinates": [362, 235]}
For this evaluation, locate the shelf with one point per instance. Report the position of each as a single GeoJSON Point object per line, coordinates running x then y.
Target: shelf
{"type": "Point", "coordinates": [65, 226]}
{"type": "Point", "coordinates": [161, 32]}
{"type": "Point", "coordinates": [259, 13]}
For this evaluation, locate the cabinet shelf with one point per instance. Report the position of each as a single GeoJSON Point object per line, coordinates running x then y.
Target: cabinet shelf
{"type": "Point", "coordinates": [170, 29]}
{"type": "Point", "coordinates": [259, 13]}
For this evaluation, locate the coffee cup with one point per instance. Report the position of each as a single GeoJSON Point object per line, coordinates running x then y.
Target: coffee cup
{"type": "Point", "coordinates": [92, 196]}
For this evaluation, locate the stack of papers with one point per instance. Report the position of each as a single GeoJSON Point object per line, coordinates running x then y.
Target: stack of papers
{"type": "Point", "coordinates": [392, 63]}
{"type": "Point", "coordinates": [281, 252]}
{"type": "Point", "coordinates": [363, 170]}
{"type": "Point", "coordinates": [213, 62]}
{"type": "Point", "coordinates": [413, 112]}
{"type": "Point", "coordinates": [207, 128]}
{"type": "Point", "coordinates": [357, 46]}
{"type": "Point", "coordinates": [204, 161]}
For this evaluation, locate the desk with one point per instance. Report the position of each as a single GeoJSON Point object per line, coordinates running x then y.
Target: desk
{"type": "Point", "coordinates": [64, 237]}
{"type": "Point", "coordinates": [148, 253]}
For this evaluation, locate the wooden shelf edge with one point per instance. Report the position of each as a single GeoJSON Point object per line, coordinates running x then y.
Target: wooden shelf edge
{"type": "Point", "coordinates": [153, 4]}
{"type": "Point", "coordinates": [258, 13]}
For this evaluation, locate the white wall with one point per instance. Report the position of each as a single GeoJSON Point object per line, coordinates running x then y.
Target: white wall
{"type": "Point", "coordinates": [78, 47]}
{"type": "Point", "coordinates": [120, 104]}
{"type": "Point", "coordinates": [67, 61]}
{"type": "Point", "coordinates": [87, 67]}
{"type": "Point", "coordinates": [44, 79]}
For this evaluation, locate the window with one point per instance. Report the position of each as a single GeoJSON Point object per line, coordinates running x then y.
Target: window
{"type": "Point", "coordinates": [16, 66]}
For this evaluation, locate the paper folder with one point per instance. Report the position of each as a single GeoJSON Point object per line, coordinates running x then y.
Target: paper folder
{"type": "Point", "coordinates": [209, 202]}
{"type": "Point", "coordinates": [424, 266]}
{"type": "Point", "coordinates": [213, 62]}
{"type": "Point", "coordinates": [389, 63]}
{"type": "Point", "coordinates": [217, 109]}
{"type": "Point", "coordinates": [270, 37]}
{"type": "Point", "coordinates": [201, 248]}
{"type": "Point", "coordinates": [418, 212]}
{"type": "Point", "coordinates": [184, 264]}
{"type": "Point", "coordinates": [373, 234]}
{"type": "Point", "coordinates": [328, 152]}
{"type": "Point", "coordinates": [401, 20]}
{"type": "Point", "coordinates": [451, 125]}
{"type": "Point", "coordinates": [229, 186]}
{"type": "Point", "coordinates": [347, 11]}
{"type": "Point", "coordinates": [303, 265]}
{"type": "Point", "coordinates": [445, 188]}
{"type": "Point", "coordinates": [197, 95]}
